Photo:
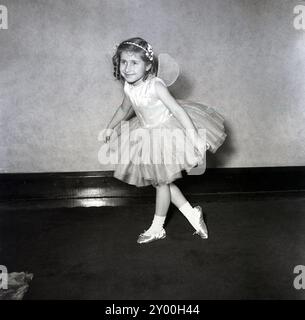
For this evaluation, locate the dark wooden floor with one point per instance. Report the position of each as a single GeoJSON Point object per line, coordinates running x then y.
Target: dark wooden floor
{"type": "Point", "coordinates": [91, 253]}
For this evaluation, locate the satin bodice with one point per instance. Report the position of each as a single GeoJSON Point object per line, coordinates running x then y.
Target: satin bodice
{"type": "Point", "coordinates": [149, 109]}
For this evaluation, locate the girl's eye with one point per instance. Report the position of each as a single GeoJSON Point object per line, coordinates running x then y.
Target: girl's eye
{"type": "Point", "coordinates": [131, 63]}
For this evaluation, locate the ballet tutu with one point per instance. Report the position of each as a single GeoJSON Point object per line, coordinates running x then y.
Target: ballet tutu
{"type": "Point", "coordinates": [158, 155]}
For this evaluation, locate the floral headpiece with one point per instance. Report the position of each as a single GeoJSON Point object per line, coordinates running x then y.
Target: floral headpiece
{"type": "Point", "coordinates": [148, 52]}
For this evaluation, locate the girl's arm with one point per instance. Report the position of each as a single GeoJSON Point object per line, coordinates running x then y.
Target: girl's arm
{"type": "Point", "coordinates": [170, 102]}
{"type": "Point", "coordinates": [129, 114]}
{"type": "Point", "coordinates": [122, 113]}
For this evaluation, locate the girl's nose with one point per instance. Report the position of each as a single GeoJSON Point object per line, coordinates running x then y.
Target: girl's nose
{"type": "Point", "coordinates": [127, 67]}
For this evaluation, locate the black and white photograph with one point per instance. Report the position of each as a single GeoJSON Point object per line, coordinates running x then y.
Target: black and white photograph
{"type": "Point", "coordinates": [152, 151]}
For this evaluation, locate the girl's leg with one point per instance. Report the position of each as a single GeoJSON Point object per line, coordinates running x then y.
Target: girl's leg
{"type": "Point", "coordinates": [193, 215]}
{"type": "Point", "coordinates": [156, 230]}
{"type": "Point", "coordinates": [162, 203]}
{"type": "Point", "coordinates": [163, 198]}
{"type": "Point", "coordinates": [177, 197]}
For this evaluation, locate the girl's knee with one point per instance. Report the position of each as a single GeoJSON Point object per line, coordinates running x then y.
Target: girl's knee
{"type": "Point", "coordinates": [172, 186]}
{"type": "Point", "coordinates": [163, 185]}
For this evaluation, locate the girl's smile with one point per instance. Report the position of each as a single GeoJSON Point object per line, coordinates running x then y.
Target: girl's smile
{"type": "Point", "coordinates": [132, 67]}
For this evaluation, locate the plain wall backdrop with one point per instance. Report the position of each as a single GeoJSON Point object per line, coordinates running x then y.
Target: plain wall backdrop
{"type": "Point", "coordinates": [242, 57]}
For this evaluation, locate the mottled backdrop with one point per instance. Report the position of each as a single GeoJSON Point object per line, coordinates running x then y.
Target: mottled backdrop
{"type": "Point", "coordinates": [243, 57]}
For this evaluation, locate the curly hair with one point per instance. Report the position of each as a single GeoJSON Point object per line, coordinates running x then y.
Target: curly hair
{"type": "Point", "coordinates": [131, 47]}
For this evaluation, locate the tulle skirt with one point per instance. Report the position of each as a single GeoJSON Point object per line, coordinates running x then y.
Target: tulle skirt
{"type": "Point", "coordinates": [158, 155]}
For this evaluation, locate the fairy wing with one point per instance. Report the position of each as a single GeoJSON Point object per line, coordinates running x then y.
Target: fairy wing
{"type": "Point", "coordinates": [168, 69]}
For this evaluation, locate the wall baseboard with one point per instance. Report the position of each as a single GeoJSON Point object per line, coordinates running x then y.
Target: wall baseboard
{"type": "Point", "coordinates": [70, 189]}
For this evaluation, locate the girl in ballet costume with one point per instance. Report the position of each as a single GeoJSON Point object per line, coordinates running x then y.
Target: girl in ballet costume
{"type": "Point", "coordinates": [154, 157]}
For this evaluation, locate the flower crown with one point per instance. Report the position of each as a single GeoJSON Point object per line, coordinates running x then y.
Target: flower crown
{"type": "Point", "coordinates": [148, 52]}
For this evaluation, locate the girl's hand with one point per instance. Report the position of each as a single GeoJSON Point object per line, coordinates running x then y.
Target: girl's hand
{"type": "Point", "coordinates": [106, 135]}
{"type": "Point", "coordinates": [197, 141]}
{"type": "Point", "coordinates": [201, 145]}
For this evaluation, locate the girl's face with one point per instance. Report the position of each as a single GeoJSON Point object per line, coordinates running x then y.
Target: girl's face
{"type": "Point", "coordinates": [132, 67]}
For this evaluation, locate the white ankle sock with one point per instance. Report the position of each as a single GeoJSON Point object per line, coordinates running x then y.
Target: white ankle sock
{"type": "Point", "coordinates": [191, 214]}
{"type": "Point", "coordinates": [157, 224]}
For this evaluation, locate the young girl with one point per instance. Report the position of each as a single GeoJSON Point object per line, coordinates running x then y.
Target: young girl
{"type": "Point", "coordinates": [160, 121]}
